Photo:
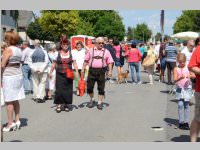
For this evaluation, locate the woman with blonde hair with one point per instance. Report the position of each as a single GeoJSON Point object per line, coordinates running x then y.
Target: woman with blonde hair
{"type": "Point", "coordinates": [12, 79]}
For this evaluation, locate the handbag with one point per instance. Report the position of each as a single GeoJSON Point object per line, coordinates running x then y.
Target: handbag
{"type": "Point", "coordinates": [150, 61]}
{"type": "Point", "coordinates": [81, 86]}
{"type": "Point", "coordinates": [70, 73]}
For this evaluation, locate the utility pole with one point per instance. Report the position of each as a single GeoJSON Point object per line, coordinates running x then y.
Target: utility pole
{"type": "Point", "coordinates": [162, 18]}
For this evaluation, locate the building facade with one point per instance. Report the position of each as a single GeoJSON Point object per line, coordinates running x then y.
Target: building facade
{"type": "Point", "coordinates": [8, 21]}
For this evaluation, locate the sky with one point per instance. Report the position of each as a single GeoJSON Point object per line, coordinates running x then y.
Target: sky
{"type": "Point", "coordinates": [150, 17]}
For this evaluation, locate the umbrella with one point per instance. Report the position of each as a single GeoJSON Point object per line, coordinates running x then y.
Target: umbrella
{"type": "Point", "coordinates": [186, 35]}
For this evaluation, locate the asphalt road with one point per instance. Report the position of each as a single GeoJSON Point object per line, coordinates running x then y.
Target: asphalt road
{"type": "Point", "coordinates": [130, 111]}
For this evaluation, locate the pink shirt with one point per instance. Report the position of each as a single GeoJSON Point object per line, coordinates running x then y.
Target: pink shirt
{"type": "Point", "coordinates": [134, 55]}
{"type": "Point", "coordinates": [97, 63]}
{"type": "Point", "coordinates": [117, 50]}
{"type": "Point", "coordinates": [184, 83]}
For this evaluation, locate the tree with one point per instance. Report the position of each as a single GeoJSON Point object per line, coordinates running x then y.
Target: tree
{"type": "Point", "coordinates": [59, 21]}
{"type": "Point", "coordinates": [188, 21]}
{"type": "Point", "coordinates": [85, 28]}
{"type": "Point", "coordinates": [130, 33]}
{"type": "Point", "coordinates": [158, 36]}
{"type": "Point", "coordinates": [35, 31]}
{"type": "Point", "coordinates": [110, 25]}
{"type": "Point", "coordinates": [142, 32]}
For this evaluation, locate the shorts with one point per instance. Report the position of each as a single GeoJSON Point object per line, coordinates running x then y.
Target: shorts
{"type": "Point", "coordinates": [118, 62]}
{"type": "Point", "coordinates": [197, 107]}
{"type": "Point", "coordinates": [171, 65]}
{"type": "Point", "coordinates": [162, 64]}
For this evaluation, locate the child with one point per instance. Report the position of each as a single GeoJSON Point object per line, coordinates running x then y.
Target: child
{"type": "Point", "coordinates": [183, 91]}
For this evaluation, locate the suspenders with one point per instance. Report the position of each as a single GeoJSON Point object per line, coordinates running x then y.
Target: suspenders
{"type": "Point", "coordinates": [98, 57]}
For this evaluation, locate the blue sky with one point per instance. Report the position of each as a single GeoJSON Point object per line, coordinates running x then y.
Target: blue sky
{"type": "Point", "coordinates": [150, 17]}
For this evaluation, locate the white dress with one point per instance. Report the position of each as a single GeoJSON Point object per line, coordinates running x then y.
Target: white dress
{"type": "Point", "coordinates": [13, 79]}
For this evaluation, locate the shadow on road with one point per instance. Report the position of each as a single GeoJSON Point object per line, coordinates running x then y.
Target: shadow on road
{"type": "Point", "coordinates": [183, 138]}
{"type": "Point", "coordinates": [85, 104]}
{"type": "Point", "coordinates": [166, 92]}
{"type": "Point", "coordinates": [174, 100]}
{"type": "Point", "coordinates": [16, 141]}
{"type": "Point", "coordinates": [171, 121]}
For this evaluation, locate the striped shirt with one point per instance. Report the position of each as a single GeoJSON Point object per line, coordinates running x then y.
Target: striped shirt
{"type": "Point", "coordinates": [171, 53]}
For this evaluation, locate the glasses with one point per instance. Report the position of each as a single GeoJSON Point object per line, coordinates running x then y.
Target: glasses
{"type": "Point", "coordinates": [100, 42]}
{"type": "Point", "coordinates": [110, 41]}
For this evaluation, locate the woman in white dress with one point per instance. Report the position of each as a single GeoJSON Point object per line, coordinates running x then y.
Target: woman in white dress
{"type": "Point", "coordinates": [12, 79]}
{"type": "Point", "coordinates": [52, 54]}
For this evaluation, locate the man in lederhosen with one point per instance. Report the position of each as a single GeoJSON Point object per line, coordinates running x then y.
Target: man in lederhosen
{"type": "Point", "coordinates": [98, 58]}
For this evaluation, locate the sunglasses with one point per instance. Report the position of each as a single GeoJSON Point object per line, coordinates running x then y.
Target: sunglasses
{"type": "Point", "coordinates": [100, 42]}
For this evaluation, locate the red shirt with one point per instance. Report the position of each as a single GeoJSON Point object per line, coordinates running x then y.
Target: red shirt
{"type": "Point", "coordinates": [195, 62]}
{"type": "Point", "coordinates": [134, 55]}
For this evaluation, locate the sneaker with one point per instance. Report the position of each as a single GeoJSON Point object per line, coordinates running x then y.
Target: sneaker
{"type": "Point", "coordinates": [140, 82]}
{"type": "Point", "coordinates": [186, 126]}
{"type": "Point", "coordinates": [91, 104]}
{"type": "Point", "coordinates": [100, 106]}
{"type": "Point", "coordinates": [181, 126]}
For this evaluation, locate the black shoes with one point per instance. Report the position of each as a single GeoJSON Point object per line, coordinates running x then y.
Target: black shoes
{"type": "Point", "coordinates": [100, 106]}
{"type": "Point", "coordinates": [40, 100]}
{"type": "Point", "coordinates": [91, 104]}
{"type": "Point", "coordinates": [184, 126]}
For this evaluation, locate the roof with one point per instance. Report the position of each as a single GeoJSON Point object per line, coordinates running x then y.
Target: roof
{"type": "Point", "coordinates": [25, 18]}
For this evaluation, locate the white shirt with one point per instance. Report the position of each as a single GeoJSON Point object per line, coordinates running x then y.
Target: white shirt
{"type": "Point", "coordinates": [157, 49]}
{"type": "Point", "coordinates": [79, 57]}
{"type": "Point", "coordinates": [188, 54]}
{"type": "Point", "coordinates": [25, 55]}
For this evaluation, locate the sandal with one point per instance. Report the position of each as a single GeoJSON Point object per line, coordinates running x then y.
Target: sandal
{"type": "Point", "coordinates": [58, 109]}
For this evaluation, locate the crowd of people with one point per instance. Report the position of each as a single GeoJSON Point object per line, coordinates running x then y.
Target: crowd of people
{"type": "Point", "coordinates": [52, 73]}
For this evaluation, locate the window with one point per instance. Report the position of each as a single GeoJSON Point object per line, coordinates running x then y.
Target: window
{"type": "Point", "coordinates": [3, 12]}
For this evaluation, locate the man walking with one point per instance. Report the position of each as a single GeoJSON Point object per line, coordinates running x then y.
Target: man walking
{"type": "Point", "coordinates": [98, 58]}
{"type": "Point", "coordinates": [26, 70]}
{"type": "Point", "coordinates": [171, 53]}
{"type": "Point", "coordinates": [39, 67]}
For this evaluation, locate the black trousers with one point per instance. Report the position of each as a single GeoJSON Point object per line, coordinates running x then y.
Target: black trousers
{"type": "Point", "coordinates": [96, 75]}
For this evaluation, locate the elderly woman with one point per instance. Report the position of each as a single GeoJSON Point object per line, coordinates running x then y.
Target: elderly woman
{"type": "Point", "coordinates": [78, 54]}
{"type": "Point", "coordinates": [12, 79]}
{"type": "Point", "coordinates": [64, 84]}
{"type": "Point", "coordinates": [52, 54]}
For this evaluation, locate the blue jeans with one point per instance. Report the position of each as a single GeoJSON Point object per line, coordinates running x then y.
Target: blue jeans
{"type": "Point", "coordinates": [183, 111]}
{"type": "Point", "coordinates": [137, 69]}
{"type": "Point", "coordinates": [27, 82]}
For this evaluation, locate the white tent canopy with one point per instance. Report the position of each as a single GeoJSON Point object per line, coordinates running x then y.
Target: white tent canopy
{"type": "Point", "coordinates": [186, 35]}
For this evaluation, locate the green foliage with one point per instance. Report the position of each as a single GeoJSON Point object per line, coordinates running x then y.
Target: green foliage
{"type": "Point", "coordinates": [110, 25]}
{"type": "Point", "coordinates": [84, 28]}
{"type": "Point", "coordinates": [59, 22]}
{"type": "Point", "coordinates": [188, 21]}
{"type": "Point", "coordinates": [142, 32]}
{"type": "Point", "coordinates": [35, 31]}
{"type": "Point", "coordinates": [158, 36]}
{"type": "Point", "coordinates": [130, 32]}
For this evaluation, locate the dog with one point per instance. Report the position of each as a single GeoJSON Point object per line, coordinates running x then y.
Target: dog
{"type": "Point", "coordinates": [122, 77]}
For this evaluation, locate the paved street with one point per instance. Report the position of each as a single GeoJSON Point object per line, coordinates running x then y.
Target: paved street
{"type": "Point", "coordinates": [129, 113]}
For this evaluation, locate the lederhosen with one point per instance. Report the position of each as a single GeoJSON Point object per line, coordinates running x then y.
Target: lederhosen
{"type": "Point", "coordinates": [64, 86]}
{"type": "Point", "coordinates": [96, 75]}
